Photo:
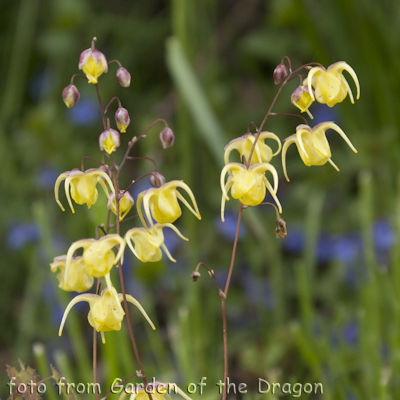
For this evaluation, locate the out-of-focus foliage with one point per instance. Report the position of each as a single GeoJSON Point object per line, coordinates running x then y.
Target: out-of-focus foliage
{"type": "Point", "coordinates": [319, 306]}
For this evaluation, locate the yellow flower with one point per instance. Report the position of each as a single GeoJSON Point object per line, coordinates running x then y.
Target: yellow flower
{"type": "Point", "coordinates": [98, 254]}
{"type": "Point", "coordinates": [243, 144]}
{"type": "Point", "coordinates": [330, 85]}
{"type": "Point", "coordinates": [163, 202]}
{"type": "Point", "coordinates": [302, 99]}
{"type": "Point", "coordinates": [147, 245]}
{"type": "Point", "coordinates": [79, 277]}
{"type": "Point", "coordinates": [125, 204]}
{"type": "Point", "coordinates": [93, 63]}
{"type": "Point", "coordinates": [83, 186]}
{"type": "Point", "coordinates": [313, 145]}
{"type": "Point", "coordinates": [248, 185]}
{"type": "Point", "coordinates": [106, 313]}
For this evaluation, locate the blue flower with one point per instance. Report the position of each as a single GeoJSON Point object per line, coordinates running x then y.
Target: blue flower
{"type": "Point", "coordinates": [85, 112]}
{"type": "Point", "coordinates": [21, 234]}
{"type": "Point", "coordinates": [228, 228]}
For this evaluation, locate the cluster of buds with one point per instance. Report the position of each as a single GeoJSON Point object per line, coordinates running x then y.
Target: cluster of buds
{"type": "Point", "coordinates": [247, 181]}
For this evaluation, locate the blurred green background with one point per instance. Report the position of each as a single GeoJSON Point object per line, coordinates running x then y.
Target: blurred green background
{"type": "Point", "coordinates": [321, 305]}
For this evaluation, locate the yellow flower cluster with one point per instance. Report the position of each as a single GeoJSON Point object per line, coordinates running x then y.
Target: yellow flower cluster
{"type": "Point", "coordinates": [247, 180]}
{"type": "Point", "coordinates": [77, 273]}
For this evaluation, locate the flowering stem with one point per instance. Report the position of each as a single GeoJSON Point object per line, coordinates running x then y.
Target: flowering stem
{"type": "Point", "coordinates": [103, 116]}
{"type": "Point", "coordinates": [228, 280]}
{"type": "Point", "coordinates": [135, 139]}
{"type": "Point", "coordinates": [121, 276]}
{"type": "Point", "coordinates": [95, 351]}
{"type": "Point", "coordinates": [109, 103]}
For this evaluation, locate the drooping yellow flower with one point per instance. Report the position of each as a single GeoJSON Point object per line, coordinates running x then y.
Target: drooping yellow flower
{"type": "Point", "coordinates": [98, 254]}
{"type": "Point", "coordinates": [262, 152]}
{"type": "Point", "coordinates": [248, 185]}
{"type": "Point", "coordinates": [313, 145]}
{"type": "Point", "coordinates": [83, 186]}
{"type": "Point", "coordinates": [125, 204]}
{"type": "Point", "coordinates": [79, 278]}
{"type": "Point", "coordinates": [163, 203]}
{"type": "Point", "coordinates": [147, 245]}
{"type": "Point", "coordinates": [93, 63]}
{"type": "Point", "coordinates": [106, 313]}
{"type": "Point", "coordinates": [302, 99]}
{"type": "Point", "coordinates": [330, 85]}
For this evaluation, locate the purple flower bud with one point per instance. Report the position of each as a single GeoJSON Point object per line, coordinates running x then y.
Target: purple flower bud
{"type": "Point", "coordinates": [109, 140]}
{"type": "Point", "coordinates": [70, 95]}
{"type": "Point", "coordinates": [157, 179]}
{"type": "Point", "coordinates": [280, 73]}
{"type": "Point", "coordinates": [167, 137]}
{"type": "Point", "coordinates": [122, 119]}
{"type": "Point", "coordinates": [124, 77]}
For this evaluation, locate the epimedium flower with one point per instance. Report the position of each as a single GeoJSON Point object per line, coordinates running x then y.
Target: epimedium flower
{"type": "Point", "coordinates": [70, 95]}
{"type": "Point", "coordinates": [163, 203]}
{"type": "Point", "coordinates": [313, 145]}
{"type": "Point", "coordinates": [106, 313]}
{"type": "Point", "coordinates": [330, 86]}
{"type": "Point", "coordinates": [122, 119]}
{"type": "Point", "coordinates": [93, 63]}
{"type": "Point", "coordinates": [79, 278]}
{"type": "Point", "coordinates": [109, 140]}
{"type": "Point", "coordinates": [83, 186]}
{"type": "Point", "coordinates": [98, 254]}
{"type": "Point", "coordinates": [147, 245]}
{"type": "Point", "coordinates": [248, 184]}
{"type": "Point", "coordinates": [302, 99]}
{"type": "Point", "coordinates": [125, 203]}
{"type": "Point", "coordinates": [262, 153]}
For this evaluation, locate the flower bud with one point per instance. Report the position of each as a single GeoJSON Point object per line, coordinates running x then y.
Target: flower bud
{"type": "Point", "coordinates": [157, 179]}
{"type": "Point", "coordinates": [124, 77]}
{"type": "Point", "coordinates": [280, 73]}
{"type": "Point", "coordinates": [167, 137]}
{"type": "Point", "coordinates": [109, 140]}
{"type": "Point", "coordinates": [302, 99]}
{"type": "Point", "coordinates": [70, 95]}
{"type": "Point", "coordinates": [122, 119]}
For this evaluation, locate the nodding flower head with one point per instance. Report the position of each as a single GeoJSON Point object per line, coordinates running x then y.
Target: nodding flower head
{"type": "Point", "coordinates": [262, 152]}
{"type": "Point", "coordinates": [98, 255]}
{"type": "Point", "coordinates": [125, 203]}
{"type": "Point", "coordinates": [79, 278]}
{"type": "Point", "coordinates": [93, 63]}
{"type": "Point", "coordinates": [163, 203]}
{"type": "Point", "coordinates": [302, 99]}
{"type": "Point", "coordinates": [109, 140]}
{"type": "Point", "coordinates": [330, 85]}
{"type": "Point", "coordinates": [106, 313]}
{"type": "Point", "coordinates": [248, 184]}
{"type": "Point", "coordinates": [70, 95]}
{"type": "Point", "coordinates": [122, 119]}
{"type": "Point", "coordinates": [124, 77]}
{"type": "Point", "coordinates": [83, 186]}
{"type": "Point", "coordinates": [147, 245]}
{"type": "Point", "coordinates": [313, 145]}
